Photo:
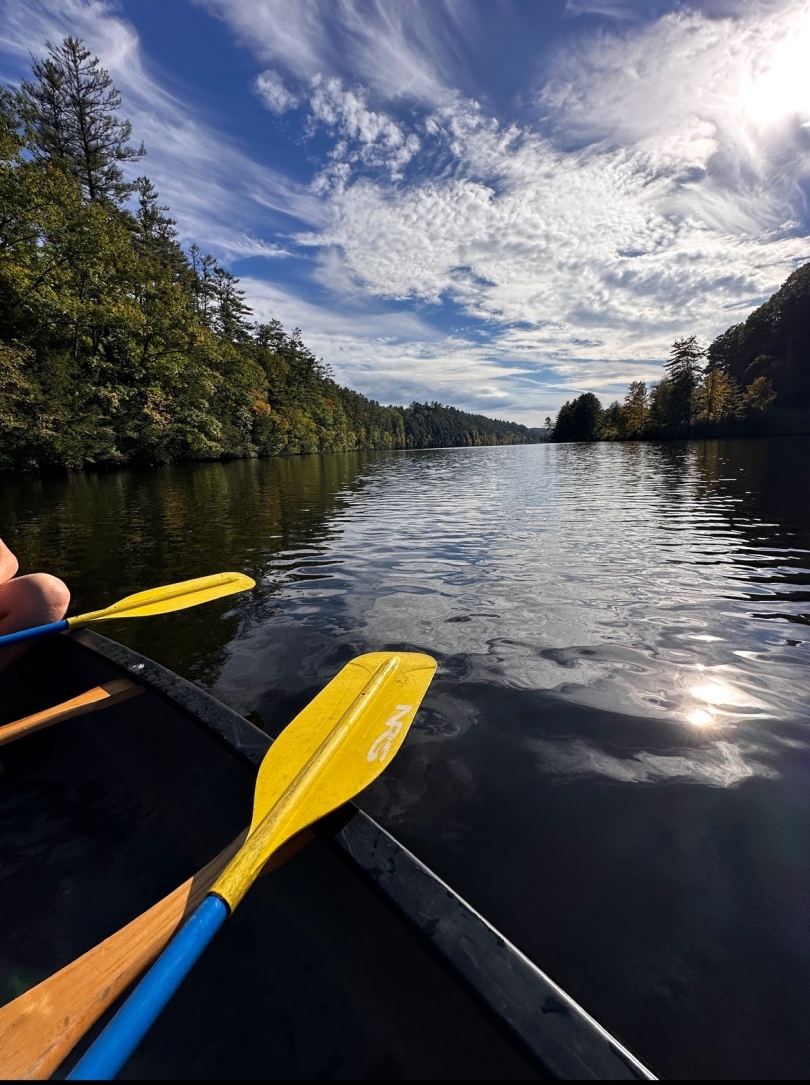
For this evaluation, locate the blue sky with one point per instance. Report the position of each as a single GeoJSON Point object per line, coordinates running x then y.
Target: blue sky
{"type": "Point", "coordinates": [498, 204]}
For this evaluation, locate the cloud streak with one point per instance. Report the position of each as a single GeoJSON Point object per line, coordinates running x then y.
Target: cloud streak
{"type": "Point", "coordinates": [652, 184]}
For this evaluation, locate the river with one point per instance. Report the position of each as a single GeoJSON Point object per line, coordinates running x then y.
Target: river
{"type": "Point", "coordinates": [613, 761]}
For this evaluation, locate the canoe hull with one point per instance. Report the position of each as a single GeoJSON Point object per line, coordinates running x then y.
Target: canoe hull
{"type": "Point", "coordinates": [353, 960]}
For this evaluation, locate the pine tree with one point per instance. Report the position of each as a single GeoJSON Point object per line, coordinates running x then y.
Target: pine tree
{"type": "Point", "coordinates": [684, 369]}
{"type": "Point", "coordinates": [71, 114]}
{"type": "Point", "coordinates": [231, 321]}
{"type": "Point", "coordinates": [203, 289]}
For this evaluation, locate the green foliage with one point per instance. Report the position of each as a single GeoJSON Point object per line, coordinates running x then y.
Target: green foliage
{"type": "Point", "coordinates": [579, 419]}
{"type": "Point", "coordinates": [684, 370]}
{"type": "Point", "coordinates": [774, 343]}
{"type": "Point", "coordinates": [430, 425]}
{"type": "Point", "coordinates": [636, 411]}
{"type": "Point", "coordinates": [756, 380]}
{"type": "Point", "coordinates": [70, 113]}
{"type": "Point", "coordinates": [116, 346]}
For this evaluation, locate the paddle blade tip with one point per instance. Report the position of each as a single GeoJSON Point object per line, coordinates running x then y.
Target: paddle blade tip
{"type": "Point", "coordinates": [170, 597]}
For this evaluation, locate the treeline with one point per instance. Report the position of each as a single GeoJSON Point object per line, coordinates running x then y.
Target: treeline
{"type": "Point", "coordinates": [117, 346]}
{"type": "Point", "coordinates": [754, 379]}
{"type": "Point", "coordinates": [432, 425]}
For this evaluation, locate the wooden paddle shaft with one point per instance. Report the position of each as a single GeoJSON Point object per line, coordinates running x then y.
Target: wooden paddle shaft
{"type": "Point", "coordinates": [39, 1029]}
{"type": "Point", "coordinates": [91, 701]}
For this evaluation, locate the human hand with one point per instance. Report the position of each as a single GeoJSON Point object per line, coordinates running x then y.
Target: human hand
{"type": "Point", "coordinates": [34, 599]}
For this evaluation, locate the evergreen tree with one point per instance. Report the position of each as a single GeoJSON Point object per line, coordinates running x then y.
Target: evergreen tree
{"type": "Point", "coordinates": [203, 267]}
{"type": "Point", "coordinates": [71, 113]}
{"type": "Point", "coordinates": [611, 424]}
{"type": "Point", "coordinates": [117, 347]}
{"type": "Point", "coordinates": [579, 419]}
{"type": "Point", "coordinates": [155, 231]}
{"type": "Point", "coordinates": [231, 321]}
{"type": "Point", "coordinates": [684, 369]}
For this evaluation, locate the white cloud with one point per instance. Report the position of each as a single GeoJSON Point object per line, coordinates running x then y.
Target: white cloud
{"type": "Point", "coordinates": [677, 215]}
{"type": "Point", "coordinates": [659, 190]}
{"type": "Point", "coordinates": [275, 95]}
{"type": "Point", "coordinates": [365, 136]}
{"type": "Point", "coordinates": [392, 48]}
{"type": "Point", "coordinates": [214, 190]}
{"type": "Point", "coordinates": [397, 357]}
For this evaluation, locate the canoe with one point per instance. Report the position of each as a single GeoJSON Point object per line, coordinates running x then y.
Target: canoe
{"type": "Point", "coordinates": [350, 960]}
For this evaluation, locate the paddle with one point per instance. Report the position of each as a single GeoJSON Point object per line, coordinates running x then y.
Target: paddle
{"type": "Point", "coordinates": [98, 697]}
{"type": "Point", "coordinates": [331, 751]}
{"type": "Point", "coordinates": [40, 1028]}
{"type": "Point", "coordinates": [155, 601]}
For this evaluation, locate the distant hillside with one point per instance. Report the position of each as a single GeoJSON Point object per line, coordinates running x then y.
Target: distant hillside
{"type": "Point", "coordinates": [774, 342]}
{"type": "Point", "coordinates": [432, 425]}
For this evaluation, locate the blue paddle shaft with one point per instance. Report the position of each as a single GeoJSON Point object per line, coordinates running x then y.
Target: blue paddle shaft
{"type": "Point", "coordinates": [34, 632]}
{"type": "Point", "coordinates": [119, 1039]}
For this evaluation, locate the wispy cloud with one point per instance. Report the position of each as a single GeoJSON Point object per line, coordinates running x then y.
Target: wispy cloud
{"type": "Point", "coordinates": [396, 49]}
{"type": "Point", "coordinates": [656, 188]}
{"type": "Point", "coordinates": [213, 188]}
{"type": "Point", "coordinates": [395, 357]}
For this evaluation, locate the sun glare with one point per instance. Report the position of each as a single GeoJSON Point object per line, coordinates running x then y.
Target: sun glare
{"type": "Point", "coordinates": [781, 86]}
{"type": "Point", "coordinates": [713, 693]}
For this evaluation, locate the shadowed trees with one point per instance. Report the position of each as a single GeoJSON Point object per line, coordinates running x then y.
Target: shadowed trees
{"type": "Point", "coordinates": [116, 345]}
{"type": "Point", "coordinates": [579, 419]}
{"type": "Point", "coordinates": [754, 379]}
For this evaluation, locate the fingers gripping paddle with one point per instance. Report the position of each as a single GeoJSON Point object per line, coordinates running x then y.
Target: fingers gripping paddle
{"type": "Point", "coordinates": [330, 752]}
{"type": "Point", "coordinates": [155, 601]}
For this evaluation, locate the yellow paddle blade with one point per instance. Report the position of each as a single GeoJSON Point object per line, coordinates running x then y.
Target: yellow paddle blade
{"type": "Point", "coordinates": [170, 597]}
{"type": "Point", "coordinates": [330, 752]}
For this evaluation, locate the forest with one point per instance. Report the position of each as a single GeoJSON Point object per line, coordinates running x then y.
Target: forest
{"type": "Point", "coordinates": [753, 380]}
{"type": "Point", "coordinates": [117, 345]}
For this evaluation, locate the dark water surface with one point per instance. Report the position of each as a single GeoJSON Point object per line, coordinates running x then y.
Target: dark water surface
{"type": "Point", "coordinates": [613, 762]}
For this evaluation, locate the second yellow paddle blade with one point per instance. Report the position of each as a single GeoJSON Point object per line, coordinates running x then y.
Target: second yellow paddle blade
{"type": "Point", "coordinates": [330, 752]}
{"type": "Point", "coordinates": [169, 597]}
{"type": "Point", "coordinates": [371, 740]}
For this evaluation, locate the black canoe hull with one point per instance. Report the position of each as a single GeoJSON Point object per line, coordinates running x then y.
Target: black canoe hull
{"type": "Point", "coordinates": [315, 975]}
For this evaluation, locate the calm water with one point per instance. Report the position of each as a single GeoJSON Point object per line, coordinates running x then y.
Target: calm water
{"type": "Point", "coordinates": [613, 762]}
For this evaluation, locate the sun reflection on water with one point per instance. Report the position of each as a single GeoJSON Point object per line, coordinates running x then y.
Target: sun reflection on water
{"type": "Point", "coordinates": [721, 702]}
{"type": "Point", "coordinates": [701, 717]}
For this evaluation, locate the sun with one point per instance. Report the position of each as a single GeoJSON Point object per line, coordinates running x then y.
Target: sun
{"type": "Point", "coordinates": [780, 85]}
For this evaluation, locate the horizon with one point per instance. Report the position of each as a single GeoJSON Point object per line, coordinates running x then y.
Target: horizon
{"type": "Point", "coordinates": [493, 205]}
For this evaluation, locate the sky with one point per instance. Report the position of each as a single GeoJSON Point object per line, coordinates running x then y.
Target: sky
{"type": "Point", "coordinates": [498, 204]}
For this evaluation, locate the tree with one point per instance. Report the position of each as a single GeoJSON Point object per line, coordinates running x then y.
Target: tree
{"type": "Point", "coordinates": [612, 423]}
{"type": "Point", "coordinates": [715, 399]}
{"type": "Point", "coordinates": [684, 369]}
{"type": "Point", "coordinates": [203, 288]}
{"type": "Point", "coordinates": [636, 410]}
{"type": "Point", "coordinates": [116, 347]}
{"type": "Point", "coordinates": [155, 232]}
{"type": "Point", "coordinates": [579, 419]}
{"type": "Point", "coordinates": [70, 109]}
{"type": "Point", "coordinates": [758, 396]}
{"type": "Point", "coordinates": [232, 312]}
